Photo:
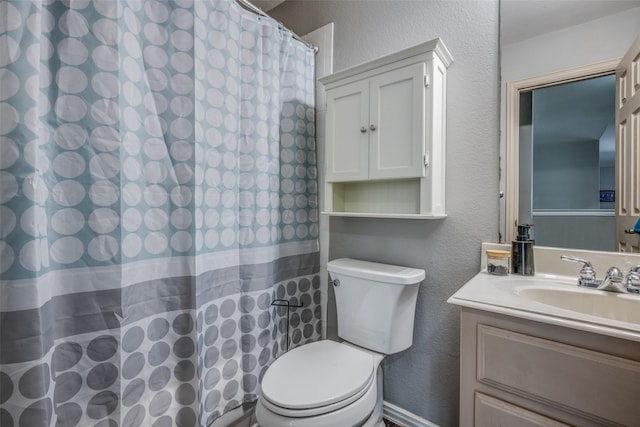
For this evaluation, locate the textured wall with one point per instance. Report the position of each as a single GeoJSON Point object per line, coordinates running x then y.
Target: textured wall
{"type": "Point", "coordinates": [424, 379]}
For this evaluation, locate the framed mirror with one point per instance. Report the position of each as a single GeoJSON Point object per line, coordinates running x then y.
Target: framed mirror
{"type": "Point", "coordinates": [544, 43]}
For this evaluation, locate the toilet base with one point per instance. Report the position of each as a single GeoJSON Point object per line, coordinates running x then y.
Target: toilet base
{"type": "Point", "coordinates": [375, 419]}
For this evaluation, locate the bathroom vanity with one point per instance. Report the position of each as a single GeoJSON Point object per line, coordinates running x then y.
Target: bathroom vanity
{"type": "Point", "coordinates": [540, 351]}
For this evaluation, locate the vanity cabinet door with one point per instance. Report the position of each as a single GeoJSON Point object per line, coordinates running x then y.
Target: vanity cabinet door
{"type": "Point", "coordinates": [376, 127]}
{"type": "Point", "coordinates": [491, 412]}
{"type": "Point", "coordinates": [348, 133]}
{"type": "Point", "coordinates": [397, 129]}
{"type": "Point", "coordinates": [518, 372]}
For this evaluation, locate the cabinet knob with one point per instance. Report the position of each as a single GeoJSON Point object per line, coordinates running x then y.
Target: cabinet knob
{"type": "Point", "coordinates": [363, 129]}
{"type": "Point", "coordinates": [372, 126]}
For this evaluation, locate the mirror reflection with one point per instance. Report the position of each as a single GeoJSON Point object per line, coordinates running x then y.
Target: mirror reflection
{"type": "Point", "coordinates": [567, 163]}
{"type": "Point", "coordinates": [545, 44]}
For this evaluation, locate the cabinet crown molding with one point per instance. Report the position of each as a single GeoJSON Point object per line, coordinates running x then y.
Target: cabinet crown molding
{"type": "Point", "coordinates": [427, 49]}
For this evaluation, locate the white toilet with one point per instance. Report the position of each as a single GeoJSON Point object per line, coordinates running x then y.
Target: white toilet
{"type": "Point", "coordinates": [326, 383]}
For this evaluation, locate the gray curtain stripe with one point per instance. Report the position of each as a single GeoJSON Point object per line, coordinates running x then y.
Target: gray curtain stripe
{"type": "Point", "coordinates": [24, 336]}
{"type": "Point", "coordinates": [28, 335]}
{"type": "Point", "coordinates": [157, 296]}
{"type": "Point", "coordinates": [84, 312]}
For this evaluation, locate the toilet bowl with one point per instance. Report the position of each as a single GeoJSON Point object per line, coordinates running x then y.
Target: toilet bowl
{"type": "Point", "coordinates": [322, 384]}
{"type": "Point", "coordinates": [328, 383]}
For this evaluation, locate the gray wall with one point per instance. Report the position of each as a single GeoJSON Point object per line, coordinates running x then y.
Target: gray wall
{"type": "Point", "coordinates": [566, 175]}
{"type": "Point", "coordinates": [424, 379]}
{"type": "Point", "coordinates": [592, 232]}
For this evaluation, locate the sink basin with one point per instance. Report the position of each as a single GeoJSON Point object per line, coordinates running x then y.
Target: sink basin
{"type": "Point", "coordinates": [609, 305]}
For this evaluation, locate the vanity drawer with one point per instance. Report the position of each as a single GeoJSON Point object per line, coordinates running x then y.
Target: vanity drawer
{"type": "Point", "coordinates": [590, 384]}
{"type": "Point", "coordinates": [495, 412]}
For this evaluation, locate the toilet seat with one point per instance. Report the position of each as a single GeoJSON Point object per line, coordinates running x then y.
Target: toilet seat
{"type": "Point", "coordinates": [317, 378]}
{"type": "Point", "coordinates": [321, 410]}
{"type": "Point", "coordinates": [358, 413]}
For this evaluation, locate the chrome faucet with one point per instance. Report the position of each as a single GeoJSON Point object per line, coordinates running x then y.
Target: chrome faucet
{"type": "Point", "coordinates": [613, 280]}
{"type": "Point", "coordinates": [587, 277]}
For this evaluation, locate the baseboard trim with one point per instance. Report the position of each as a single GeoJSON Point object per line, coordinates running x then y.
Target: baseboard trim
{"type": "Point", "coordinates": [402, 417]}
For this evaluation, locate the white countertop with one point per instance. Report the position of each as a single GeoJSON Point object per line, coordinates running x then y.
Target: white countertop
{"type": "Point", "coordinates": [510, 295]}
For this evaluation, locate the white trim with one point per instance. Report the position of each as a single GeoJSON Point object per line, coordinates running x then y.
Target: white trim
{"type": "Point", "coordinates": [323, 38]}
{"type": "Point", "coordinates": [402, 417]}
{"type": "Point", "coordinates": [436, 46]}
{"type": "Point", "coordinates": [591, 212]}
{"type": "Point", "coordinates": [513, 119]}
{"type": "Point", "coordinates": [385, 215]}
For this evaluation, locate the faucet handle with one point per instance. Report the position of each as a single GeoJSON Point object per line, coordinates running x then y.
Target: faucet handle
{"type": "Point", "coordinates": [633, 280]}
{"type": "Point", "coordinates": [614, 275]}
{"type": "Point", "coordinates": [587, 273]}
{"type": "Point", "coordinates": [612, 281]}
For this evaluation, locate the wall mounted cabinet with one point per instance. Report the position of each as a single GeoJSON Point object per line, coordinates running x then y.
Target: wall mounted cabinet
{"type": "Point", "coordinates": [385, 153]}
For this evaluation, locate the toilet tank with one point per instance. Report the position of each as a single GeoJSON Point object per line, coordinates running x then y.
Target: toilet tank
{"type": "Point", "coordinates": [375, 303]}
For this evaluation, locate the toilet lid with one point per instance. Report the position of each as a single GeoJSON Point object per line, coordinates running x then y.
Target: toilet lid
{"type": "Point", "coordinates": [317, 374]}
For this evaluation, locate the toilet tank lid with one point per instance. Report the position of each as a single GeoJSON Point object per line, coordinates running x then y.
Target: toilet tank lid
{"type": "Point", "coordinates": [376, 271]}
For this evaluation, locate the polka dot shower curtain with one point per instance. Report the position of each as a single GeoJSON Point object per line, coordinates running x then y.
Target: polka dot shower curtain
{"type": "Point", "coordinates": [158, 193]}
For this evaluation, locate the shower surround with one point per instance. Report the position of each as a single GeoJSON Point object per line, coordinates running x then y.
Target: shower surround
{"type": "Point", "coordinates": [158, 191]}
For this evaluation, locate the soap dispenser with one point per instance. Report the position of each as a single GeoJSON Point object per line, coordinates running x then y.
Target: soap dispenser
{"type": "Point", "coordinates": [522, 252]}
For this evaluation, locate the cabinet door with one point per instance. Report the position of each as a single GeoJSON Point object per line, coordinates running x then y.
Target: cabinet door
{"type": "Point", "coordinates": [397, 113]}
{"type": "Point", "coordinates": [492, 412]}
{"type": "Point", "coordinates": [348, 132]}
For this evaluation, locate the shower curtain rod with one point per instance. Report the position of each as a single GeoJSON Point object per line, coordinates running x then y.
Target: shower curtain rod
{"type": "Point", "coordinates": [246, 4]}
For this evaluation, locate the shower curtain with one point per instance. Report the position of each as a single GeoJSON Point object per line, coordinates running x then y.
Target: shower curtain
{"type": "Point", "coordinates": [158, 193]}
